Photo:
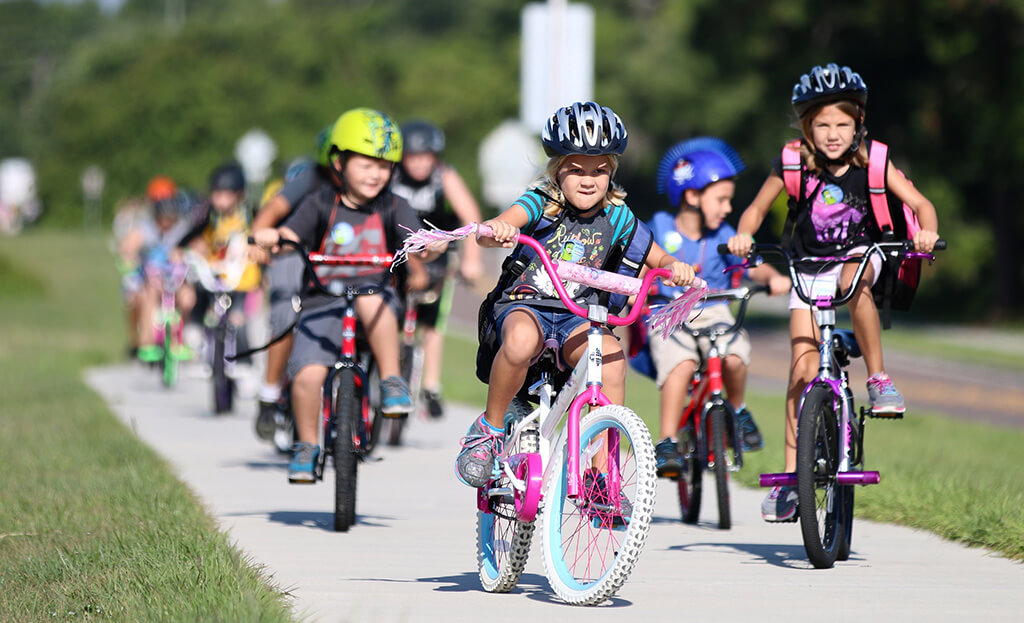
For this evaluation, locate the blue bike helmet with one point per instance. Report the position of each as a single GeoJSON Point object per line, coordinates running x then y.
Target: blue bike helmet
{"type": "Point", "coordinates": [828, 84]}
{"type": "Point", "coordinates": [695, 164]}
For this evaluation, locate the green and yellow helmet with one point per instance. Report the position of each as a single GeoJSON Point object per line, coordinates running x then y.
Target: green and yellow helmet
{"type": "Point", "coordinates": [368, 132]}
{"type": "Point", "coordinates": [323, 146]}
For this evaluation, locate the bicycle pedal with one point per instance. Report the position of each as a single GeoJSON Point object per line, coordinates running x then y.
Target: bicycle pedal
{"type": "Point", "coordinates": [885, 415]}
{"type": "Point", "coordinates": [395, 416]}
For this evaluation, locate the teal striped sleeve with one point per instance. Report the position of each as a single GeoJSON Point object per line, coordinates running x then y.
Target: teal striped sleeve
{"type": "Point", "coordinates": [533, 203]}
{"type": "Point", "coordinates": [624, 221]}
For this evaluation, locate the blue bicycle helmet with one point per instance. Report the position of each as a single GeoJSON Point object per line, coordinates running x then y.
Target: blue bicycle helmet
{"type": "Point", "coordinates": [828, 84]}
{"type": "Point", "coordinates": [584, 128]}
{"type": "Point", "coordinates": [695, 164]}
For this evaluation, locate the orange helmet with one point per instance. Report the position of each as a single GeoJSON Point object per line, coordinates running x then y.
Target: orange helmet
{"type": "Point", "coordinates": [161, 187]}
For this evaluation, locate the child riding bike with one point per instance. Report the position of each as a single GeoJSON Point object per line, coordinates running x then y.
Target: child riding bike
{"type": "Point", "coordinates": [591, 226]}
{"type": "Point", "coordinates": [427, 183]}
{"type": "Point", "coordinates": [697, 175]}
{"type": "Point", "coordinates": [224, 226]}
{"type": "Point", "coordinates": [364, 217]}
{"type": "Point", "coordinates": [284, 273]}
{"type": "Point", "coordinates": [831, 216]}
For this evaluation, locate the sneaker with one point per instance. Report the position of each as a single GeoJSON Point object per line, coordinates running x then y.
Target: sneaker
{"type": "Point", "coordinates": [394, 396]}
{"type": "Point", "coordinates": [666, 453]}
{"type": "Point", "coordinates": [752, 441]}
{"type": "Point", "coordinates": [151, 353]}
{"type": "Point", "coordinates": [779, 505]}
{"type": "Point", "coordinates": [265, 420]}
{"type": "Point", "coordinates": [476, 462]}
{"type": "Point", "coordinates": [302, 468]}
{"type": "Point", "coordinates": [883, 396]}
{"type": "Point", "coordinates": [432, 400]}
{"type": "Point", "coordinates": [598, 504]}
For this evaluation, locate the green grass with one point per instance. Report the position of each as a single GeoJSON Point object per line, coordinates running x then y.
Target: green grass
{"type": "Point", "coordinates": [93, 523]}
{"type": "Point", "coordinates": [957, 479]}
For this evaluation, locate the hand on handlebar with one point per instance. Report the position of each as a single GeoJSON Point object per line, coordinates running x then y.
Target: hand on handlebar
{"type": "Point", "coordinates": [502, 234]}
{"type": "Point", "coordinates": [740, 245]}
{"type": "Point", "coordinates": [924, 241]}
{"type": "Point", "coordinates": [682, 274]}
{"type": "Point", "coordinates": [265, 240]}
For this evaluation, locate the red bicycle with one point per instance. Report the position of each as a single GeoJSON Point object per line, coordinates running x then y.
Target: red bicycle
{"type": "Point", "coordinates": [708, 422]}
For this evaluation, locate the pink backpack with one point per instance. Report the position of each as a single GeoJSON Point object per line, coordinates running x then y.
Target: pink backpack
{"type": "Point", "coordinates": [898, 283]}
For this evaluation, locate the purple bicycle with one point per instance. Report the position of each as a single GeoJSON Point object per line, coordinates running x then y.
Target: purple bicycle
{"type": "Point", "coordinates": [592, 480]}
{"type": "Point", "coordinates": [830, 431]}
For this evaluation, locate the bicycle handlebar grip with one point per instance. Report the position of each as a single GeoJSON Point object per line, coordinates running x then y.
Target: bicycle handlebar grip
{"type": "Point", "coordinates": [940, 245]}
{"type": "Point", "coordinates": [723, 249]}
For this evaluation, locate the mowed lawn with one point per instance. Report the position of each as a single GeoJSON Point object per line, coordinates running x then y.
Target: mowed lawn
{"type": "Point", "coordinates": [92, 523]}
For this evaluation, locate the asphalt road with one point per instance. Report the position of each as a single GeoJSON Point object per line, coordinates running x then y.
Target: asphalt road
{"type": "Point", "coordinates": [411, 555]}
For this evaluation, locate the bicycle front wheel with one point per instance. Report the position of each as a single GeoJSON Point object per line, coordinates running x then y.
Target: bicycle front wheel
{"type": "Point", "coordinates": [592, 542]}
{"type": "Point", "coordinates": [819, 496]}
{"type": "Point", "coordinates": [222, 383]}
{"type": "Point", "coordinates": [170, 359]}
{"type": "Point", "coordinates": [348, 403]}
{"type": "Point", "coordinates": [717, 419]}
{"type": "Point", "coordinates": [503, 542]}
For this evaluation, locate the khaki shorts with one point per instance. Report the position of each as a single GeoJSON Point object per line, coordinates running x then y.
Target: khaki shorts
{"type": "Point", "coordinates": [681, 346]}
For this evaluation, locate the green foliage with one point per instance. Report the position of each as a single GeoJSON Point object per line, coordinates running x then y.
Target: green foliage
{"type": "Point", "coordinates": [143, 92]}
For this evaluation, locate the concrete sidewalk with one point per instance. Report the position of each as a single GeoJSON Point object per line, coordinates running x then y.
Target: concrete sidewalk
{"type": "Point", "coordinates": [411, 556]}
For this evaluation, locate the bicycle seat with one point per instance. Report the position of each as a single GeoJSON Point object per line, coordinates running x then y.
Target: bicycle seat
{"type": "Point", "coordinates": [844, 338]}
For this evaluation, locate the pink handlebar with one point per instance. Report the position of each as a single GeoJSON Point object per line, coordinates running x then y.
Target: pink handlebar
{"type": "Point", "coordinates": [594, 277]}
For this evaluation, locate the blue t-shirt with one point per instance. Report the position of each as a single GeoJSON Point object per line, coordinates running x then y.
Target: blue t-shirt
{"type": "Point", "coordinates": [702, 254]}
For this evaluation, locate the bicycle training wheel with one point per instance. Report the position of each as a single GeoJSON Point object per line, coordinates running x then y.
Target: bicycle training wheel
{"type": "Point", "coordinates": [819, 496]}
{"type": "Point", "coordinates": [348, 403]}
{"type": "Point", "coordinates": [592, 542]}
{"type": "Point", "coordinates": [502, 541]}
{"type": "Point", "coordinates": [716, 421]}
{"type": "Point", "coordinates": [691, 479]}
{"type": "Point", "coordinates": [222, 383]}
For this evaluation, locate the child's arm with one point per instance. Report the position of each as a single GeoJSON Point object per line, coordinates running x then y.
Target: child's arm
{"type": "Point", "coordinates": [924, 240]}
{"type": "Point", "coordinates": [466, 208]}
{"type": "Point", "coordinates": [754, 215]}
{"type": "Point", "coordinates": [682, 273]}
{"type": "Point", "coordinates": [505, 227]}
{"type": "Point", "coordinates": [765, 274]}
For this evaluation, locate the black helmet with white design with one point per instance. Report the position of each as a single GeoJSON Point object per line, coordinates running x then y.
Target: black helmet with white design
{"type": "Point", "coordinates": [828, 84]}
{"type": "Point", "coordinates": [584, 128]}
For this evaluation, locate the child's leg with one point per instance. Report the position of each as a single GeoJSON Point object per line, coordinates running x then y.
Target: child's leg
{"type": "Point", "coordinates": [673, 397]}
{"type": "Point", "coordinates": [734, 380]}
{"type": "Point", "coordinates": [864, 314]}
{"type": "Point", "coordinates": [521, 341]}
{"type": "Point", "coordinates": [307, 387]}
{"type": "Point", "coordinates": [433, 347]}
{"type": "Point", "coordinates": [148, 301]}
{"type": "Point", "coordinates": [381, 326]}
{"type": "Point", "coordinates": [803, 368]}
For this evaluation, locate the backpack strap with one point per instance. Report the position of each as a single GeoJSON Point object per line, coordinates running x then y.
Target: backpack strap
{"type": "Point", "coordinates": [878, 157]}
{"type": "Point", "coordinates": [792, 168]}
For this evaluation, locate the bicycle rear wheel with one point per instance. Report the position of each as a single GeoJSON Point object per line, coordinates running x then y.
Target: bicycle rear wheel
{"type": "Point", "coordinates": [348, 402]}
{"type": "Point", "coordinates": [592, 542]}
{"type": "Point", "coordinates": [819, 496]}
{"type": "Point", "coordinates": [716, 421]}
{"type": "Point", "coordinates": [503, 542]}
{"type": "Point", "coordinates": [691, 480]}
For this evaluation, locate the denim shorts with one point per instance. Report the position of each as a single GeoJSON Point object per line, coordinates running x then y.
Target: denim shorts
{"type": "Point", "coordinates": [554, 324]}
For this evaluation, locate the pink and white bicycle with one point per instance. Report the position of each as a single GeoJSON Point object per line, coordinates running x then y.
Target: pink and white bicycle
{"type": "Point", "coordinates": [591, 480]}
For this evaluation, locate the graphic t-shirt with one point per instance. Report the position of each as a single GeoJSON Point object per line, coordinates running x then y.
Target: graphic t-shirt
{"type": "Point", "coordinates": [226, 235]}
{"type": "Point", "coordinates": [582, 240]}
{"type": "Point", "coordinates": [324, 223]}
{"type": "Point", "coordinates": [835, 213]}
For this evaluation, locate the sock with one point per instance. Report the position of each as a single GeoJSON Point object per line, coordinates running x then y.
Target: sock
{"type": "Point", "coordinates": [496, 431]}
{"type": "Point", "coordinates": [269, 393]}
